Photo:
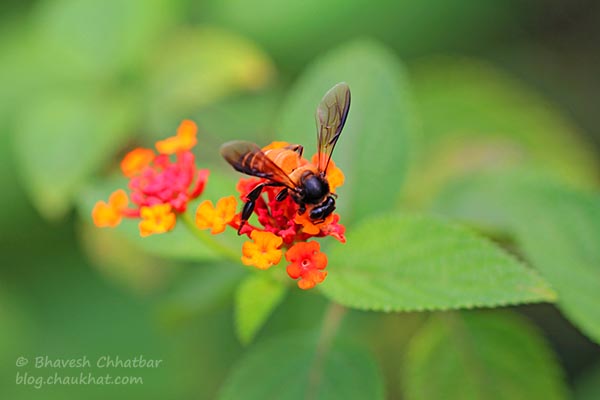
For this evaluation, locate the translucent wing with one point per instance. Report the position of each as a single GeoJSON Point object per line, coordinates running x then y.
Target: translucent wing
{"type": "Point", "coordinates": [248, 158]}
{"type": "Point", "coordinates": [331, 116]}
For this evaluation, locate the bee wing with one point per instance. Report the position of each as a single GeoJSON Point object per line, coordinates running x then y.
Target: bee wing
{"type": "Point", "coordinates": [331, 116]}
{"type": "Point", "coordinates": [248, 158]}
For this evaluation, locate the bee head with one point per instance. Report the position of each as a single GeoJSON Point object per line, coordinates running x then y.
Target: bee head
{"type": "Point", "coordinates": [315, 188]}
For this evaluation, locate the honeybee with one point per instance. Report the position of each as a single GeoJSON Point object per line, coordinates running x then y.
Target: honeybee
{"type": "Point", "coordinates": [304, 181]}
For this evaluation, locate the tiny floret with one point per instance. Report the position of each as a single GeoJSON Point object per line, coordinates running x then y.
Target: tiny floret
{"type": "Point", "coordinates": [263, 251]}
{"type": "Point", "coordinates": [183, 141]}
{"type": "Point", "coordinates": [135, 161]}
{"type": "Point", "coordinates": [156, 219]}
{"type": "Point", "coordinates": [216, 217]}
{"type": "Point", "coordinates": [307, 263]}
{"type": "Point", "coordinates": [110, 214]}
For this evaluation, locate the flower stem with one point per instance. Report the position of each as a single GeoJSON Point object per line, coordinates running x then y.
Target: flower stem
{"type": "Point", "coordinates": [208, 240]}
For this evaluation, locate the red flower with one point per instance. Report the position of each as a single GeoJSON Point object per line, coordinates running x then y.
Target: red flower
{"type": "Point", "coordinates": [307, 263]}
{"type": "Point", "coordinates": [168, 182]}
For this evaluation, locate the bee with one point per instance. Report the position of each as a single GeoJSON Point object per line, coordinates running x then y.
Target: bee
{"type": "Point", "coordinates": [305, 182]}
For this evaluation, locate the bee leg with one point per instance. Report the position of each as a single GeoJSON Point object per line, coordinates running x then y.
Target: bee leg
{"type": "Point", "coordinates": [298, 148]}
{"type": "Point", "coordinates": [322, 211]}
{"type": "Point", "coordinates": [282, 195]}
{"type": "Point", "coordinates": [246, 213]}
{"type": "Point", "coordinates": [251, 202]}
{"type": "Point", "coordinates": [301, 209]}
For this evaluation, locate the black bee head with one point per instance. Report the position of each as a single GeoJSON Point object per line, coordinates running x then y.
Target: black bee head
{"type": "Point", "coordinates": [315, 188]}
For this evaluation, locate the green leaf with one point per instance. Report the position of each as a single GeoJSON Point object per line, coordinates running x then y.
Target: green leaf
{"type": "Point", "coordinates": [475, 116]}
{"type": "Point", "coordinates": [487, 356]}
{"type": "Point", "coordinates": [559, 231]}
{"type": "Point", "coordinates": [124, 263]}
{"type": "Point", "coordinates": [588, 386]}
{"type": "Point", "coordinates": [201, 290]}
{"type": "Point", "coordinates": [60, 140]}
{"type": "Point", "coordinates": [196, 67]}
{"type": "Point", "coordinates": [557, 228]}
{"type": "Point", "coordinates": [295, 32]}
{"type": "Point", "coordinates": [177, 244]}
{"type": "Point", "coordinates": [121, 33]}
{"type": "Point", "coordinates": [375, 140]}
{"type": "Point", "coordinates": [256, 298]}
{"type": "Point", "coordinates": [413, 263]}
{"type": "Point", "coordinates": [292, 368]}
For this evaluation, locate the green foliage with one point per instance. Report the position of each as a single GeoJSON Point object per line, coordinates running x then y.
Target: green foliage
{"type": "Point", "coordinates": [476, 117]}
{"type": "Point", "coordinates": [201, 291]}
{"type": "Point", "coordinates": [61, 140]}
{"type": "Point", "coordinates": [480, 356]}
{"type": "Point", "coordinates": [588, 387]}
{"type": "Point", "coordinates": [296, 32]}
{"type": "Point", "coordinates": [193, 68]}
{"type": "Point", "coordinates": [296, 367]}
{"type": "Point", "coordinates": [557, 228]}
{"type": "Point", "coordinates": [414, 263]}
{"type": "Point", "coordinates": [255, 299]}
{"type": "Point", "coordinates": [86, 102]}
{"type": "Point", "coordinates": [375, 140]}
{"type": "Point", "coordinates": [100, 40]}
{"type": "Point", "coordinates": [83, 82]}
{"type": "Point", "coordinates": [124, 263]}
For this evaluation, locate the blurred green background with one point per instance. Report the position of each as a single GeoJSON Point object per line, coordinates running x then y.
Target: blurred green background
{"type": "Point", "coordinates": [82, 81]}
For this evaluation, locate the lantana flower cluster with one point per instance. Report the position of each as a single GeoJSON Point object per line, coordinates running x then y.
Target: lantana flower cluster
{"type": "Point", "coordinates": [278, 227]}
{"type": "Point", "coordinates": [161, 184]}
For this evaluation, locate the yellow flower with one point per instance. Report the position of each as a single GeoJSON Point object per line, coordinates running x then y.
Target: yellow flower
{"type": "Point", "coordinates": [159, 218]}
{"type": "Point", "coordinates": [184, 140]}
{"type": "Point", "coordinates": [135, 161]}
{"type": "Point", "coordinates": [109, 214]}
{"type": "Point", "coordinates": [216, 218]}
{"type": "Point", "coordinates": [263, 251]}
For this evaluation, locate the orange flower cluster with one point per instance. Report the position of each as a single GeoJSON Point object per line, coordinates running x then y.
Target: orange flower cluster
{"type": "Point", "coordinates": [280, 227]}
{"type": "Point", "coordinates": [161, 185]}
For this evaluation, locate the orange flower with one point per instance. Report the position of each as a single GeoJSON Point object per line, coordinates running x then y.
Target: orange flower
{"type": "Point", "coordinates": [217, 217]}
{"type": "Point", "coordinates": [184, 140]}
{"type": "Point", "coordinates": [264, 251]}
{"type": "Point", "coordinates": [307, 263]}
{"type": "Point", "coordinates": [335, 176]}
{"type": "Point", "coordinates": [135, 161]}
{"type": "Point", "coordinates": [110, 214]}
{"type": "Point", "coordinates": [309, 226]}
{"type": "Point", "coordinates": [159, 218]}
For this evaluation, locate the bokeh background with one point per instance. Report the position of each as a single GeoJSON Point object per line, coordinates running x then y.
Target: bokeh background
{"type": "Point", "coordinates": [82, 81]}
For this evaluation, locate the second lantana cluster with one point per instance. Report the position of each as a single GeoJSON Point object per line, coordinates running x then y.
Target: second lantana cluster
{"type": "Point", "coordinates": [278, 229]}
{"type": "Point", "coordinates": [160, 185]}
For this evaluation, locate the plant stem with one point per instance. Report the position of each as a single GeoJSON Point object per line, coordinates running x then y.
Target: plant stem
{"type": "Point", "coordinates": [331, 323]}
{"type": "Point", "coordinates": [209, 241]}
